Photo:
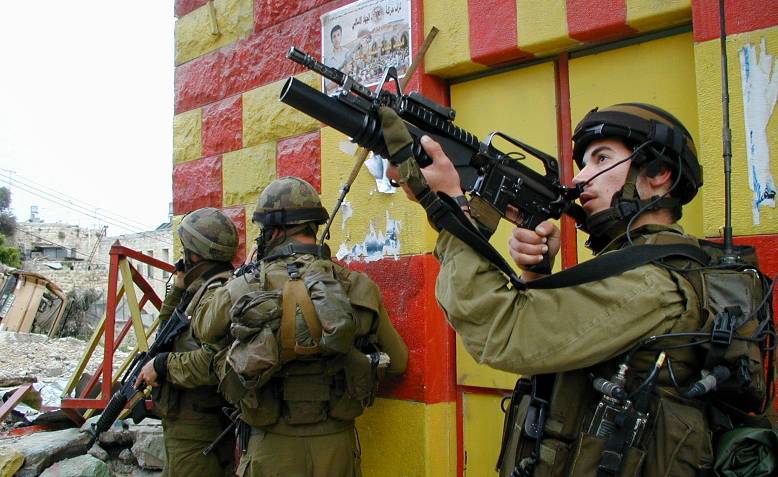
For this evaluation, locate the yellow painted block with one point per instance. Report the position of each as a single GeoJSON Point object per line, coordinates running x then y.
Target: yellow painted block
{"type": "Point", "coordinates": [708, 68]}
{"type": "Point", "coordinates": [542, 26]}
{"type": "Point", "coordinates": [482, 426]}
{"type": "Point", "coordinates": [246, 172]}
{"type": "Point", "coordinates": [449, 54]}
{"type": "Point", "coordinates": [187, 136]}
{"type": "Point", "coordinates": [403, 438]}
{"type": "Point", "coordinates": [370, 211]}
{"type": "Point", "coordinates": [520, 103]}
{"type": "Point", "coordinates": [649, 15]}
{"type": "Point", "coordinates": [266, 119]}
{"type": "Point", "coordinates": [470, 373]}
{"type": "Point", "coordinates": [178, 250]}
{"type": "Point", "coordinates": [194, 32]}
{"type": "Point", "coordinates": [659, 72]}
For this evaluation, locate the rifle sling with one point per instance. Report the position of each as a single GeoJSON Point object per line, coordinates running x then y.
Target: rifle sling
{"type": "Point", "coordinates": [445, 214]}
{"type": "Point", "coordinates": [617, 262]}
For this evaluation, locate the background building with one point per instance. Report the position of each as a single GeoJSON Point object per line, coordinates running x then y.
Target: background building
{"type": "Point", "coordinates": [531, 69]}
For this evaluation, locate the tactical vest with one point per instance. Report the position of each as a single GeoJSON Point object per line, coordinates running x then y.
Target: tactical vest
{"type": "Point", "coordinates": [560, 425]}
{"type": "Point", "coordinates": [173, 402]}
{"type": "Point", "coordinates": [317, 378]}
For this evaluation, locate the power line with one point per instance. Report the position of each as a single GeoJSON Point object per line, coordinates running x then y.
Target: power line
{"type": "Point", "coordinates": [46, 196]}
{"type": "Point", "coordinates": [59, 195]}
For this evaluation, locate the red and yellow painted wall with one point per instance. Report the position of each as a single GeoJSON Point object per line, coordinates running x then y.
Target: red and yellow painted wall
{"type": "Point", "coordinates": [531, 69]}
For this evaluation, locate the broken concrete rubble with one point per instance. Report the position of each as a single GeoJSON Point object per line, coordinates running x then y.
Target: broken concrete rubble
{"type": "Point", "coordinates": [81, 466]}
{"type": "Point", "coordinates": [45, 448]}
{"type": "Point", "coordinates": [10, 461]}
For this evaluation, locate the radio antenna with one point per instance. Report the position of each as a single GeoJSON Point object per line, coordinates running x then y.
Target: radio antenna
{"type": "Point", "coordinates": [729, 254]}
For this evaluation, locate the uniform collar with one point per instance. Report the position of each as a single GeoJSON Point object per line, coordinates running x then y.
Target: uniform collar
{"type": "Point", "coordinates": [642, 235]}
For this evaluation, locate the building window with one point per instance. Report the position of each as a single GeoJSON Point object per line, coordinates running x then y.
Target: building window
{"type": "Point", "coordinates": [165, 258]}
{"type": "Point", "coordinates": [149, 268]}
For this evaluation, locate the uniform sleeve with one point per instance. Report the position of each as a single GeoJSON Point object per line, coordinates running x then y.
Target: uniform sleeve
{"type": "Point", "coordinates": [544, 331]}
{"type": "Point", "coordinates": [194, 368]}
{"type": "Point", "coordinates": [211, 320]}
{"type": "Point", "coordinates": [170, 303]}
{"type": "Point", "coordinates": [191, 369]}
{"type": "Point", "coordinates": [391, 343]}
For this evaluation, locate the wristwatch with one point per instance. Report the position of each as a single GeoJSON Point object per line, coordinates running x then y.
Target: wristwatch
{"type": "Point", "coordinates": [462, 202]}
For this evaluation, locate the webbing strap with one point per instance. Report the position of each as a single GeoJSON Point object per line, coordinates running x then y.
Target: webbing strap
{"type": "Point", "coordinates": [295, 294]}
{"type": "Point", "coordinates": [616, 262]}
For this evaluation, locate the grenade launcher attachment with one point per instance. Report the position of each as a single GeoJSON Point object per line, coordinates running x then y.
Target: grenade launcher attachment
{"type": "Point", "coordinates": [495, 181]}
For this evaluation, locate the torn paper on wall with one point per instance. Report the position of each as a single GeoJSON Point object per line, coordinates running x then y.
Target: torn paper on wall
{"type": "Point", "coordinates": [760, 89]}
{"type": "Point", "coordinates": [376, 245]}
{"type": "Point", "coordinates": [345, 213]}
{"type": "Point", "coordinates": [378, 166]}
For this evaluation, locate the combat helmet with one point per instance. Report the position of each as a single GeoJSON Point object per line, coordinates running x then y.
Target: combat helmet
{"type": "Point", "coordinates": [637, 123]}
{"type": "Point", "coordinates": [289, 201]}
{"type": "Point", "coordinates": [210, 234]}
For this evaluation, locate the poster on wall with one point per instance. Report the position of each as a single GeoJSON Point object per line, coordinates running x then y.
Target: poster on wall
{"type": "Point", "coordinates": [364, 38]}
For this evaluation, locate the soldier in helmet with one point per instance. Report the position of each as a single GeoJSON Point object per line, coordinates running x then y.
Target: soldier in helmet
{"type": "Point", "coordinates": [638, 167]}
{"type": "Point", "coordinates": [304, 342]}
{"type": "Point", "coordinates": [186, 395]}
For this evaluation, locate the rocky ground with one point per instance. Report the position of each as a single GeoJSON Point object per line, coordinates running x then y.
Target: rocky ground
{"type": "Point", "coordinates": [28, 355]}
{"type": "Point", "coordinates": [124, 451]}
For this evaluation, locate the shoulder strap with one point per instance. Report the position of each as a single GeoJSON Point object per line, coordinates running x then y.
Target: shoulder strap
{"type": "Point", "coordinates": [616, 262]}
{"type": "Point", "coordinates": [221, 276]}
{"type": "Point", "coordinates": [295, 293]}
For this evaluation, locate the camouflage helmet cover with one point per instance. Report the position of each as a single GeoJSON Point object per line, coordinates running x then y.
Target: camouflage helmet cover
{"type": "Point", "coordinates": [210, 234]}
{"type": "Point", "coordinates": [288, 201]}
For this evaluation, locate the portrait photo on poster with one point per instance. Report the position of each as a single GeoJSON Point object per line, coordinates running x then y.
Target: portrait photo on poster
{"type": "Point", "coordinates": [364, 38]}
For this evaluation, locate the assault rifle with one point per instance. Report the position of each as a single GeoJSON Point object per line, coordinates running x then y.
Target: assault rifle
{"type": "Point", "coordinates": [496, 181]}
{"type": "Point", "coordinates": [163, 342]}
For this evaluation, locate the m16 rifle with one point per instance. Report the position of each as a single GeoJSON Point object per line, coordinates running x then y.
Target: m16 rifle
{"type": "Point", "coordinates": [499, 184]}
{"type": "Point", "coordinates": [172, 327]}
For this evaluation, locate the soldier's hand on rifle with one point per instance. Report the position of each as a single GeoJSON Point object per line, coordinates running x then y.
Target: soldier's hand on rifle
{"type": "Point", "coordinates": [441, 176]}
{"type": "Point", "coordinates": [148, 374]}
{"type": "Point", "coordinates": [528, 246]}
{"type": "Point", "coordinates": [178, 280]}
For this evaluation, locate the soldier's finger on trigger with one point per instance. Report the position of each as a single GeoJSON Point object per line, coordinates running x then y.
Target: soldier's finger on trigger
{"type": "Point", "coordinates": [527, 236]}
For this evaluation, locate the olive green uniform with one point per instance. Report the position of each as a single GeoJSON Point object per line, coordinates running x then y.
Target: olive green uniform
{"type": "Point", "coordinates": [279, 446]}
{"type": "Point", "coordinates": [188, 400]}
{"type": "Point", "coordinates": [584, 329]}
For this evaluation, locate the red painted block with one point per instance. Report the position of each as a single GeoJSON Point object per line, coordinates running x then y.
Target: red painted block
{"type": "Point", "coordinates": [238, 217]}
{"type": "Point", "coordinates": [741, 16]}
{"type": "Point", "coordinates": [223, 126]}
{"type": "Point", "coordinates": [408, 288]}
{"type": "Point", "coordinates": [182, 7]}
{"type": "Point", "coordinates": [246, 64]}
{"type": "Point", "coordinates": [197, 184]}
{"type": "Point", "coordinates": [597, 20]}
{"type": "Point", "coordinates": [270, 12]}
{"type": "Point", "coordinates": [300, 156]}
{"type": "Point", "coordinates": [493, 35]}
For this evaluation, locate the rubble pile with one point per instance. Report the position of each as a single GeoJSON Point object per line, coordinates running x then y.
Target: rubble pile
{"type": "Point", "coordinates": [30, 355]}
{"type": "Point", "coordinates": [125, 450]}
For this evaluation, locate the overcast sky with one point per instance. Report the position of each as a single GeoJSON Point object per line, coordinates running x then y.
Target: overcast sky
{"type": "Point", "coordinates": [86, 111]}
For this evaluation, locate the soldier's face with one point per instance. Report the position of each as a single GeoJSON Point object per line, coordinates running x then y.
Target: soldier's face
{"type": "Point", "coordinates": [599, 156]}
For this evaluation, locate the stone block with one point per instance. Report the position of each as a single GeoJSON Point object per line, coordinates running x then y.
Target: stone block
{"type": "Point", "coordinates": [10, 461]}
{"type": "Point", "coordinates": [301, 156]}
{"type": "Point", "coordinates": [187, 136]}
{"type": "Point", "coordinates": [44, 448]}
{"type": "Point", "coordinates": [183, 7]}
{"type": "Point", "coordinates": [195, 36]}
{"type": "Point", "coordinates": [223, 126]}
{"type": "Point", "coordinates": [269, 12]}
{"type": "Point", "coordinates": [197, 184]}
{"type": "Point", "coordinates": [149, 450]}
{"type": "Point", "coordinates": [246, 172]}
{"type": "Point", "coordinates": [81, 466]}
{"type": "Point", "coordinates": [98, 453]}
{"type": "Point", "coordinates": [246, 64]}
{"type": "Point", "coordinates": [126, 457]}
{"type": "Point", "coordinates": [267, 119]}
